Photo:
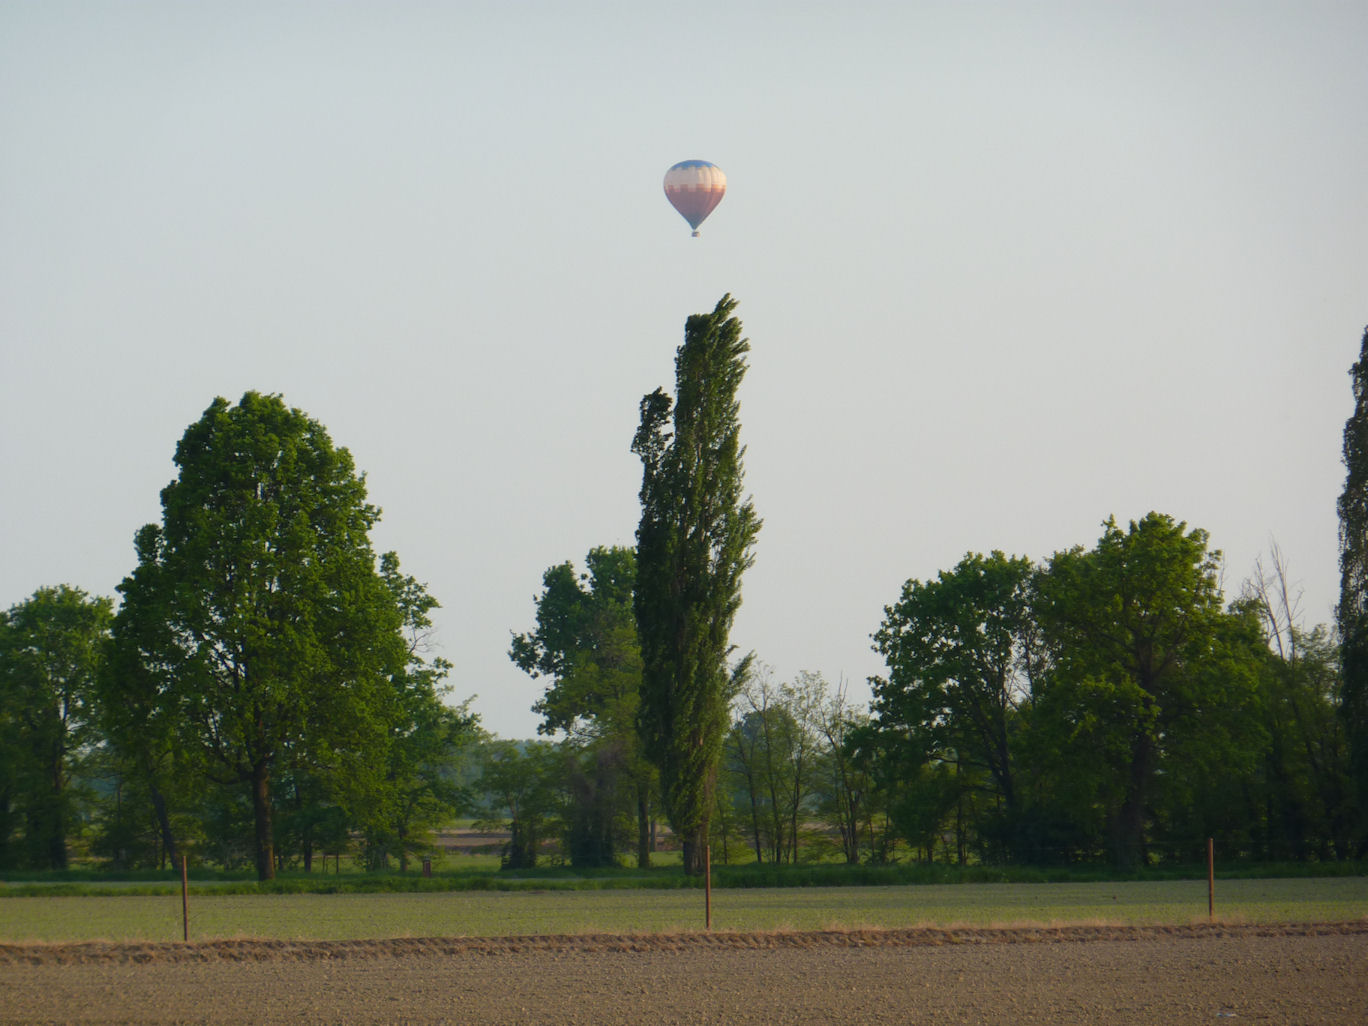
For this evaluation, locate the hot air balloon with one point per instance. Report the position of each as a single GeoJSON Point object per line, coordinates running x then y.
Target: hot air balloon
{"type": "Point", "coordinates": [695, 188]}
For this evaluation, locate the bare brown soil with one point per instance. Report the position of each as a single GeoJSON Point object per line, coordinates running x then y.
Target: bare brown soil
{"type": "Point", "coordinates": [1297, 974]}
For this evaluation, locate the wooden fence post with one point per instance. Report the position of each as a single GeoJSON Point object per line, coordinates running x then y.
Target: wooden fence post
{"type": "Point", "coordinates": [185, 901]}
{"type": "Point", "coordinates": [1211, 880]}
{"type": "Point", "coordinates": [707, 887]}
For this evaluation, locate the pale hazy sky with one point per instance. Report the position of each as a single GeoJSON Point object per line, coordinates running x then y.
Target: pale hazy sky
{"type": "Point", "coordinates": [1006, 268]}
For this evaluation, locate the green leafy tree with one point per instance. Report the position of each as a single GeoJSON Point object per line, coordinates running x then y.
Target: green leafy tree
{"type": "Point", "coordinates": [959, 652]}
{"type": "Point", "coordinates": [267, 636]}
{"type": "Point", "coordinates": [159, 782]}
{"type": "Point", "coordinates": [310, 819]}
{"type": "Point", "coordinates": [418, 790]}
{"type": "Point", "coordinates": [694, 542]}
{"type": "Point", "coordinates": [51, 646]}
{"type": "Point", "coordinates": [1306, 792]}
{"type": "Point", "coordinates": [900, 799]}
{"type": "Point", "coordinates": [1150, 674]}
{"type": "Point", "coordinates": [521, 782]}
{"type": "Point", "coordinates": [585, 644]}
{"type": "Point", "coordinates": [1353, 604]}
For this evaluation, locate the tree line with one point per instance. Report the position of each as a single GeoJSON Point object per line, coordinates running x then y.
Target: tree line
{"type": "Point", "coordinates": [1106, 705]}
{"type": "Point", "coordinates": [1101, 706]}
{"type": "Point", "coordinates": [264, 693]}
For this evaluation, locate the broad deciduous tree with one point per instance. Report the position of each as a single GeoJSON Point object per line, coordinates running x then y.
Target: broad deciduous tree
{"type": "Point", "coordinates": [585, 642]}
{"type": "Point", "coordinates": [694, 542]}
{"type": "Point", "coordinates": [51, 646]}
{"type": "Point", "coordinates": [267, 635]}
{"type": "Point", "coordinates": [958, 650]}
{"type": "Point", "coordinates": [1149, 672]}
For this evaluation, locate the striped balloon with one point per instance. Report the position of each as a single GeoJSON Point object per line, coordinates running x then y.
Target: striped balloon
{"type": "Point", "coordinates": [695, 188]}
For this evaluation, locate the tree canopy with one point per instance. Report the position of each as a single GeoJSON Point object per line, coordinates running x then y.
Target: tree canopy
{"type": "Point", "coordinates": [585, 643]}
{"type": "Point", "coordinates": [51, 648]}
{"type": "Point", "coordinates": [1146, 663]}
{"type": "Point", "coordinates": [258, 613]}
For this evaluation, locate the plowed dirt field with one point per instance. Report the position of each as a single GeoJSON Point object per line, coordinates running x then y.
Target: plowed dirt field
{"type": "Point", "coordinates": [1105, 975]}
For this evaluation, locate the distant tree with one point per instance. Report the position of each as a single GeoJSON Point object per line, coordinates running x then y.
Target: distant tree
{"type": "Point", "coordinates": [958, 650]}
{"type": "Point", "coordinates": [749, 758]}
{"type": "Point", "coordinates": [1353, 603]}
{"type": "Point", "coordinates": [694, 542]}
{"type": "Point", "coordinates": [844, 784]}
{"type": "Point", "coordinates": [267, 637]}
{"type": "Point", "coordinates": [773, 752]}
{"type": "Point", "coordinates": [585, 643]}
{"type": "Point", "coordinates": [418, 792]}
{"type": "Point", "coordinates": [522, 785]}
{"type": "Point", "coordinates": [1307, 790]}
{"type": "Point", "coordinates": [51, 646]}
{"type": "Point", "coordinates": [1150, 675]}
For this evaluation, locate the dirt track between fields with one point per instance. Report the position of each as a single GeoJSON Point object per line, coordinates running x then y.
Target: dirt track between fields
{"type": "Point", "coordinates": [1107, 975]}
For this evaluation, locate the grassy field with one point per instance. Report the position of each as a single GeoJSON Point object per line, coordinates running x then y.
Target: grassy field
{"type": "Point", "coordinates": [482, 913]}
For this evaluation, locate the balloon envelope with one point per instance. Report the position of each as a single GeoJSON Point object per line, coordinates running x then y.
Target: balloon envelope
{"type": "Point", "coordinates": [695, 188]}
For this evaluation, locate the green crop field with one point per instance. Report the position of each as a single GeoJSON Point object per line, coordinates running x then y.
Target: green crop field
{"type": "Point", "coordinates": [484, 913]}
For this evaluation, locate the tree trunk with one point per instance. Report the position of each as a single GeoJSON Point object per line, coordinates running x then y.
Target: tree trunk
{"type": "Point", "coordinates": [163, 823]}
{"type": "Point", "coordinates": [54, 813]}
{"type": "Point", "coordinates": [261, 809]}
{"type": "Point", "coordinates": [695, 848]}
{"type": "Point", "coordinates": [1128, 844]}
{"type": "Point", "coordinates": [7, 827]}
{"type": "Point", "coordinates": [755, 822]}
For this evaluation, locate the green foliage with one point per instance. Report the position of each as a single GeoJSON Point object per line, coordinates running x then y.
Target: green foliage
{"type": "Point", "coordinates": [1107, 705]}
{"type": "Point", "coordinates": [257, 635]}
{"type": "Point", "coordinates": [772, 756]}
{"type": "Point", "coordinates": [51, 648]}
{"type": "Point", "coordinates": [1305, 786]}
{"type": "Point", "coordinates": [417, 790]}
{"type": "Point", "coordinates": [522, 782]}
{"type": "Point", "coordinates": [1157, 680]}
{"type": "Point", "coordinates": [585, 642]}
{"type": "Point", "coordinates": [959, 655]}
{"type": "Point", "coordinates": [843, 784]}
{"type": "Point", "coordinates": [694, 542]}
{"type": "Point", "coordinates": [1353, 605]}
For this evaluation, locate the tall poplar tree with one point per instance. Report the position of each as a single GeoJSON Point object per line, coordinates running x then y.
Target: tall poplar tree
{"type": "Point", "coordinates": [694, 541]}
{"type": "Point", "coordinates": [1353, 604]}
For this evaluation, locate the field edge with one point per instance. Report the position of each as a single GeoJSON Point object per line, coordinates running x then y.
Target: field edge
{"type": "Point", "coordinates": [248, 949]}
